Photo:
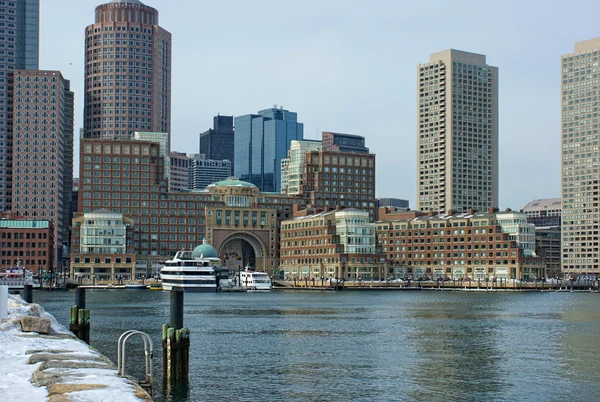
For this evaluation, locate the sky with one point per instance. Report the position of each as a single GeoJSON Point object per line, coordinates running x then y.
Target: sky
{"type": "Point", "coordinates": [351, 66]}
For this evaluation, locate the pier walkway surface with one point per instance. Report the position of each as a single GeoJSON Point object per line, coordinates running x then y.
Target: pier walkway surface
{"type": "Point", "coordinates": [40, 360]}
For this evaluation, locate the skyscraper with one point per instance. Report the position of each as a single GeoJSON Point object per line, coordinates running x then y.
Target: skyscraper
{"type": "Point", "coordinates": [127, 72]}
{"type": "Point", "coordinates": [457, 133]}
{"type": "Point", "coordinates": [261, 141]}
{"type": "Point", "coordinates": [43, 150]}
{"type": "Point", "coordinates": [580, 157]}
{"type": "Point", "coordinates": [20, 36]}
{"type": "Point", "coordinates": [217, 143]}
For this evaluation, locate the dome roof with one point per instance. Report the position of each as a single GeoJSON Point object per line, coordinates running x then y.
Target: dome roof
{"type": "Point", "coordinates": [232, 182]}
{"type": "Point", "coordinates": [127, 1]}
{"type": "Point", "coordinates": [205, 250]}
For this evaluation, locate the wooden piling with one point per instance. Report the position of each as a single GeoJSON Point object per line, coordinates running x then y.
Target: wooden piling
{"type": "Point", "coordinates": [176, 345]}
{"type": "Point", "coordinates": [28, 293]}
{"type": "Point", "coordinates": [79, 317]}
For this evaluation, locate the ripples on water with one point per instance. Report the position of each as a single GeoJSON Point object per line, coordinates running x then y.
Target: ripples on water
{"type": "Point", "coordinates": [350, 346]}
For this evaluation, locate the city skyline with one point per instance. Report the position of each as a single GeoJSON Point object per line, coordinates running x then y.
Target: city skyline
{"type": "Point", "coordinates": [352, 63]}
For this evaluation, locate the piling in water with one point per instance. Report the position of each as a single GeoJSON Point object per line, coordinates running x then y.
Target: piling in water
{"type": "Point", "coordinates": [79, 317]}
{"type": "Point", "coordinates": [176, 345]}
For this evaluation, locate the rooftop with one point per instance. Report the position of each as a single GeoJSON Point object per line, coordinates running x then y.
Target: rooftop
{"type": "Point", "coordinates": [542, 204]}
{"type": "Point", "coordinates": [232, 182]}
{"type": "Point", "coordinates": [23, 224]}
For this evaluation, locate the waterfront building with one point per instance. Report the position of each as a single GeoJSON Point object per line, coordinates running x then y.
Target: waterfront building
{"type": "Point", "coordinates": [127, 177]}
{"type": "Point", "coordinates": [293, 174]}
{"type": "Point", "coordinates": [203, 171]}
{"type": "Point", "coordinates": [218, 142]}
{"type": "Point", "coordinates": [333, 244]}
{"type": "Point", "coordinates": [20, 33]}
{"type": "Point", "coordinates": [343, 142]}
{"type": "Point", "coordinates": [27, 242]}
{"type": "Point", "coordinates": [457, 133]}
{"type": "Point", "coordinates": [102, 246]}
{"type": "Point", "coordinates": [547, 246]}
{"type": "Point", "coordinates": [522, 233]}
{"type": "Point", "coordinates": [468, 245]}
{"type": "Point", "coordinates": [127, 72]}
{"type": "Point", "coordinates": [43, 150]}
{"type": "Point", "coordinates": [179, 171]}
{"type": "Point", "coordinates": [544, 212]}
{"type": "Point", "coordinates": [344, 179]}
{"type": "Point", "coordinates": [261, 141]}
{"type": "Point", "coordinates": [579, 156]}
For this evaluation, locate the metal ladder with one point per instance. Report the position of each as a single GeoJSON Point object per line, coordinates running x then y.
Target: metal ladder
{"type": "Point", "coordinates": [148, 355]}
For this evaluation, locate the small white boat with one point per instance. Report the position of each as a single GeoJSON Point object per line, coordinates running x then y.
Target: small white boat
{"type": "Point", "coordinates": [16, 278]}
{"type": "Point", "coordinates": [135, 286]}
{"type": "Point", "coordinates": [252, 280]}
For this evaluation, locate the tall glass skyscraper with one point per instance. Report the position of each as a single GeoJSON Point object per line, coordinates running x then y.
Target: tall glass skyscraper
{"type": "Point", "coordinates": [261, 141]}
{"type": "Point", "coordinates": [19, 46]}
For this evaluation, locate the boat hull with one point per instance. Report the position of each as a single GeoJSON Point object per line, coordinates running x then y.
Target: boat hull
{"type": "Point", "coordinates": [189, 289]}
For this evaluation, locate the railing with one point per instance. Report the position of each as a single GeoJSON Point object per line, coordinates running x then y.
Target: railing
{"type": "Point", "coordinates": [148, 355]}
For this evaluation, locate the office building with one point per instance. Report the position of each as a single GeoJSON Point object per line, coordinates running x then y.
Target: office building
{"type": "Point", "coordinates": [261, 141]}
{"type": "Point", "coordinates": [392, 202]}
{"type": "Point", "coordinates": [547, 246]}
{"type": "Point", "coordinates": [127, 72]}
{"type": "Point", "coordinates": [339, 179]}
{"type": "Point", "coordinates": [333, 244]}
{"type": "Point", "coordinates": [43, 150]}
{"type": "Point", "coordinates": [457, 133]}
{"type": "Point", "coordinates": [344, 142]}
{"type": "Point", "coordinates": [293, 172]}
{"type": "Point", "coordinates": [579, 156]}
{"type": "Point", "coordinates": [203, 172]}
{"type": "Point", "coordinates": [179, 171]}
{"type": "Point", "coordinates": [218, 142]}
{"type": "Point", "coordinates": [103, 247]}
{"type": "Point", "coordinates": [468, 245]}
{"type": "Point", "coordinates": [27, 242]}
{"type": "Point", "coordinates": [20, 36]}
{"type": "Point", "coordinates": [165, 147]}
{"type": "Point", "coordinates": [544, 212]}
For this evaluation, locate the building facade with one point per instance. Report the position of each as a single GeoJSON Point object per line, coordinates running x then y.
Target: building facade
{"type": "Point", "coordinates": [343, 142]}
{"type": "Point", "coordinates": [43, 150]}
{"type": "Point", "coordinates": [455, 246]}
{"type": "Point", "coordinates": [457, 133]}
{"type": "Point", "coordinates": [27, 242]}
{"type": "Point", "coordinates": [293, 174]}
{"type": "Point", "coordinates": [127, 72]}
{"type": "Point", "coordinates": [344, 179]}
{"type": "Point", "coordinates": [203, 172]}
{"type": "Point", "coordinates": [218, 142]}
{"type": "Point", "coordinates": [393, 202]}
{"type": "Point", "coordinates": [102, 247]}
{"type": "Point", "coordinates": [547, 246]}
{"type": "Point", "coordinates": [579, 156]}
{"type": "Point", "coordinates": [335, 244]}
{"type": "Point", "coordinates": [179, 171]}
{"type": "Point", "coordinates": [126, 176]}
{"type": "Point", "coordinates": [19, 40]}
{"type": "Point", "coordinates": [261, 141]}
{"type": "Point", "coordinates": [544, 212]}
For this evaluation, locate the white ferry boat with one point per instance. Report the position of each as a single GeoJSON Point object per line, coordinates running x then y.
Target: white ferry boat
{"type": "Point", "coordinates": [254, 280]}
{"type": "Point", "coordinates": [191, 271]}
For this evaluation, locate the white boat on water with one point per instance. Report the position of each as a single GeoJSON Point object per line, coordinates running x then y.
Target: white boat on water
{"type": "Point", "coordinates": [252, 280]}
{"type": "Point", "coordinates": [191, 271]}
{"type": "Point", "coordinates": [16, 278]}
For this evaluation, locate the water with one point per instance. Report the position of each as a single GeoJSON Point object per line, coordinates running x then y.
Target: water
{"type": "Point", "coordinates": [363, 346]}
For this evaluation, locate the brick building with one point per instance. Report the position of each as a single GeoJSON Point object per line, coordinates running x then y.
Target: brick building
{"type": "Point", "coordinates": [26, 242]}
{"type": "Point", "coordinates": [332, 244]}
{"type": "Point", "coordinates": [469, 245]}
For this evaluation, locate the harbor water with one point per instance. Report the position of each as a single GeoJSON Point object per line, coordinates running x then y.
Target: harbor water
{"type": "Point", "coordinates": [362, 346]}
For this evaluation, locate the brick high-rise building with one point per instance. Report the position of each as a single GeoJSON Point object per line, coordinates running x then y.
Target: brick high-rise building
{"type": "Point", "coordinates": [579, 156]}
{"type": "Point", "coordinates": [43, 150]}
{"type": "Point", "coordinates": [457, 133]}
{"type": "Point", "coordinates": [127, 72]}
{"type": "Point", "coordinates": [344, 179]}
{"type": "Point", "coordinates": [20, 45]}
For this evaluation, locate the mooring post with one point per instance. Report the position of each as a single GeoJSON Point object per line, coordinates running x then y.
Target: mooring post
{"type": "Point", "coordinates": [28, 293]}
{"type": "Point", "coordinates": [176, 344]}
{"type": "Point", "coordinates": [79, 322]}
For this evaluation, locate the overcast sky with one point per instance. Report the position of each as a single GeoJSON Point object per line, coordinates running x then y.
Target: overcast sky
{"type": "Point", "coordinates": [350, 66]}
